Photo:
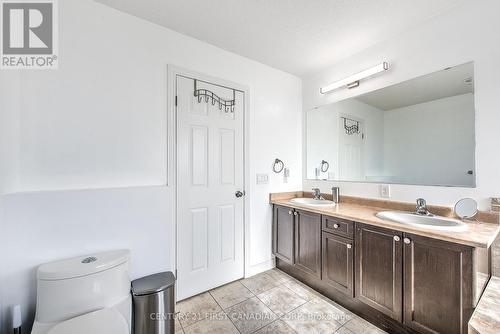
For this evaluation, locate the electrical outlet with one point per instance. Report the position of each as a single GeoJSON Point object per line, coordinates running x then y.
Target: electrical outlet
{"type": "Point", "coordinates": [385, 191]}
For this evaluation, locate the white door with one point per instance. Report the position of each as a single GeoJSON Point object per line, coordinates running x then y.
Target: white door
{"type": "Point", "coordinates": [210, 173]}
{"type": "Point", "coordinates": [351, 166]}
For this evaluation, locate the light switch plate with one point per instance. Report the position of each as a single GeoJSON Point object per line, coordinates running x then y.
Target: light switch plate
{"type": "Point", "coordinates": [385, 191]}
{"type": "Point", "coordinates": [262, 178]}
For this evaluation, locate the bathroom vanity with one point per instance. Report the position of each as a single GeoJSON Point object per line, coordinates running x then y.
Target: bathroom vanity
{"type": "Point", "coordinates": [404, 279]}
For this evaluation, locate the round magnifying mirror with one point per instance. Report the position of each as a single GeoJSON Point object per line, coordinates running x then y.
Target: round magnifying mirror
{"type": "Point", "coordinates": [466, 208]}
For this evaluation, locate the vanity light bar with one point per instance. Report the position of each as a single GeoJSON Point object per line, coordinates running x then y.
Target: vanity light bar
{"type": "Point", "coordinates": [353, 80]}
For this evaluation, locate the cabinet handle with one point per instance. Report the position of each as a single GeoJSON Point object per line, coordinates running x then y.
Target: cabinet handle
{"type": "Point", "coordinates": [407, 241]}
{"type": "Point", "coordinates": [335, 225]}
{"type": "Point", "coordinates": [349, 246]}
{"type": "Point", "coordinates": [396, 238]}
{"type": "Point", "coordinates": [295, 213]}
{"type": "Point", "coordinates": [290, 212]}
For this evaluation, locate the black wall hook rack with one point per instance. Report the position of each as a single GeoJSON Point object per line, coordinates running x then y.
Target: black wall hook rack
{"type": "Point", "coordinates": [351, 129]}
{"type": "Point", "coordinates": [211, 97]}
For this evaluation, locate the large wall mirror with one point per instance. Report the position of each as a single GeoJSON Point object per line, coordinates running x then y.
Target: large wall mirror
{"type": "Point", "coordinates": [418, 132]}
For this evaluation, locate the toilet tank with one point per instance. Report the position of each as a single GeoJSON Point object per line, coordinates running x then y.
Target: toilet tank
{"type": "Point", "coordinates": [76, 286]}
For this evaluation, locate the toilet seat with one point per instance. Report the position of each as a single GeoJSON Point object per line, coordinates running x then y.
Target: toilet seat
{"type": "Point", "coordinates": [106, 321]}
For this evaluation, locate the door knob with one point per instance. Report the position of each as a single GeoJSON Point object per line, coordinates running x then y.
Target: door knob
{"type": "Point", "coordinates": [335, 225]}
{"type": "Point", "coordinates": [239, 194]}
{"type": "Point", "coordinates": [407, 241]}
{"type": "Point", "coordinates": [396, 238]}
{"type": "Point", "coordinates": [349, 246]}
{"type": "Point", "coordinates": [290, 212]}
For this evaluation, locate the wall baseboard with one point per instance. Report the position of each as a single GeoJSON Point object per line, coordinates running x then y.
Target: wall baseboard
{"type": "Point", "coordinates": [259, 268]}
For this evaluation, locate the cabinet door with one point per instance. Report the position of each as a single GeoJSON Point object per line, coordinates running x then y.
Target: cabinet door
{"type": "Point", "coordinates": [437, 285]}
{"type": "Point", "coordinates": [308, 242]}
{"type": "Point", "coordinates": [337, 262]}
{"type": "Point", "coordinates": [283, 233]}
{"type": "Point", "coordinates": [379, 269]}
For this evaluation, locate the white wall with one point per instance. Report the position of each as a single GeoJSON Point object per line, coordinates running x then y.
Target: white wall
{"type": "Point", "coordinates": [469, 33]}
{"type": "Point", "coordinates": [431, 142]}
{"type": "Point", "coordinates": [9, 131]}
{"type": "Point", "coordinates": [9, 128]}
{"type": "Point", "coordinates": [100, 122]}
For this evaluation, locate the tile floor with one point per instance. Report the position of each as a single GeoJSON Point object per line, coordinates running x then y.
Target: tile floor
{"type": "Point", "coordinates": [270, 302]}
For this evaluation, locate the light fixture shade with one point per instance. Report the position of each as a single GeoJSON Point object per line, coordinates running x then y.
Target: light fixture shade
{"type": "Point", "coordinates": [356, 77]}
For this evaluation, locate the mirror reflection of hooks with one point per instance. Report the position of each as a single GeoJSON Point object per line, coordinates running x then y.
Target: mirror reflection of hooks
{"type": "Point", "coordinates": [324, 166]}
{"type": "Point", "coordinates": [278, 166]}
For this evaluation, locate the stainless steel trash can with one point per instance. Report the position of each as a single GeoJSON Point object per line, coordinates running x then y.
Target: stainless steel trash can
{"type": "Point", "coordinates": [154, 304]}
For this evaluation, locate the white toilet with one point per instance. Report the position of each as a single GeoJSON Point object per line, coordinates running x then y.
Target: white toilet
{"type": "Point", "coordinates": [87, 294]}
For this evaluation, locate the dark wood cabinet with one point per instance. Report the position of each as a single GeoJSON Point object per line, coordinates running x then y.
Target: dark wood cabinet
{"type": "Point", "coordinates": [402, 282]}
{"type": "Point", "coordinates": [308, 242]}
{"type": "Point", "coordinates": [284, 233]}
{"type": "Point", "coordinates": [437, 285]}
{"type": "Point", "coordinates": [338, 263]}
{"type": "Point", "coordinates": [379, 268]}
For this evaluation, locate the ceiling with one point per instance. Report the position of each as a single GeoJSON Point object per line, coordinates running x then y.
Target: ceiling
{"type": "Point", "coordinates": [297, 36]}
{"type": "Point", "coordinates": [437, 85]}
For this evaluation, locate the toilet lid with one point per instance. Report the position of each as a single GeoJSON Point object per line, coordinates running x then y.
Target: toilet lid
{"type": "Point", "coordinates": [106, 321]}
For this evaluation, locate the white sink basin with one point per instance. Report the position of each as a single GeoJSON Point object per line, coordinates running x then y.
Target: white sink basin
{"type": "Point", "coordinates": [431, 222]}
{"type": "Point", "coordinates": [312, 202]}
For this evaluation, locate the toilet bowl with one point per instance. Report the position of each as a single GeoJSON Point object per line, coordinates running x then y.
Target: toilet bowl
{"type": "Point", "coordinates": [107, 321]}
{"type": "Point", "coordinates": [86, 294]}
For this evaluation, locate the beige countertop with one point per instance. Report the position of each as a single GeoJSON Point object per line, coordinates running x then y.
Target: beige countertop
{"type": "Point", "coordinates": [478, 234]}
{"type": "Point", "coordinates": [486, 316]}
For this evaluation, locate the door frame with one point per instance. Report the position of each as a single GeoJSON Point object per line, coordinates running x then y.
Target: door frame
{"type": "Point", "coordinates": [172, 72]}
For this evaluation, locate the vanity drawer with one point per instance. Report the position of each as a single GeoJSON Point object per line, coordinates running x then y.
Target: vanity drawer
{"type": "Point", "coordinates": [344, 228]}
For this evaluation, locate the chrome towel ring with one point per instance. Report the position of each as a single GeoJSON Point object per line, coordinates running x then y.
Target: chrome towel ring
{"type": "Point", "coordinates": [278, 166]}
{"type": "Point", "coordinates": [324, 166]}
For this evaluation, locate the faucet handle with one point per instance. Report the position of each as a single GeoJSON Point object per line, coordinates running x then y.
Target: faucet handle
{"type": "Point", "coordinates": [421, 202]}
{"type": "Point", "coordinates": [421, 208]}
{"type": "Point", "coordinates": [316, 193]}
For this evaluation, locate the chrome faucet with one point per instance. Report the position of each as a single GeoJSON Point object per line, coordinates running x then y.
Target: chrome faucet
{"type": "Point", "coordinates": [422, 208]}
{"type": "Point", "coordinates": [316, 193]}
